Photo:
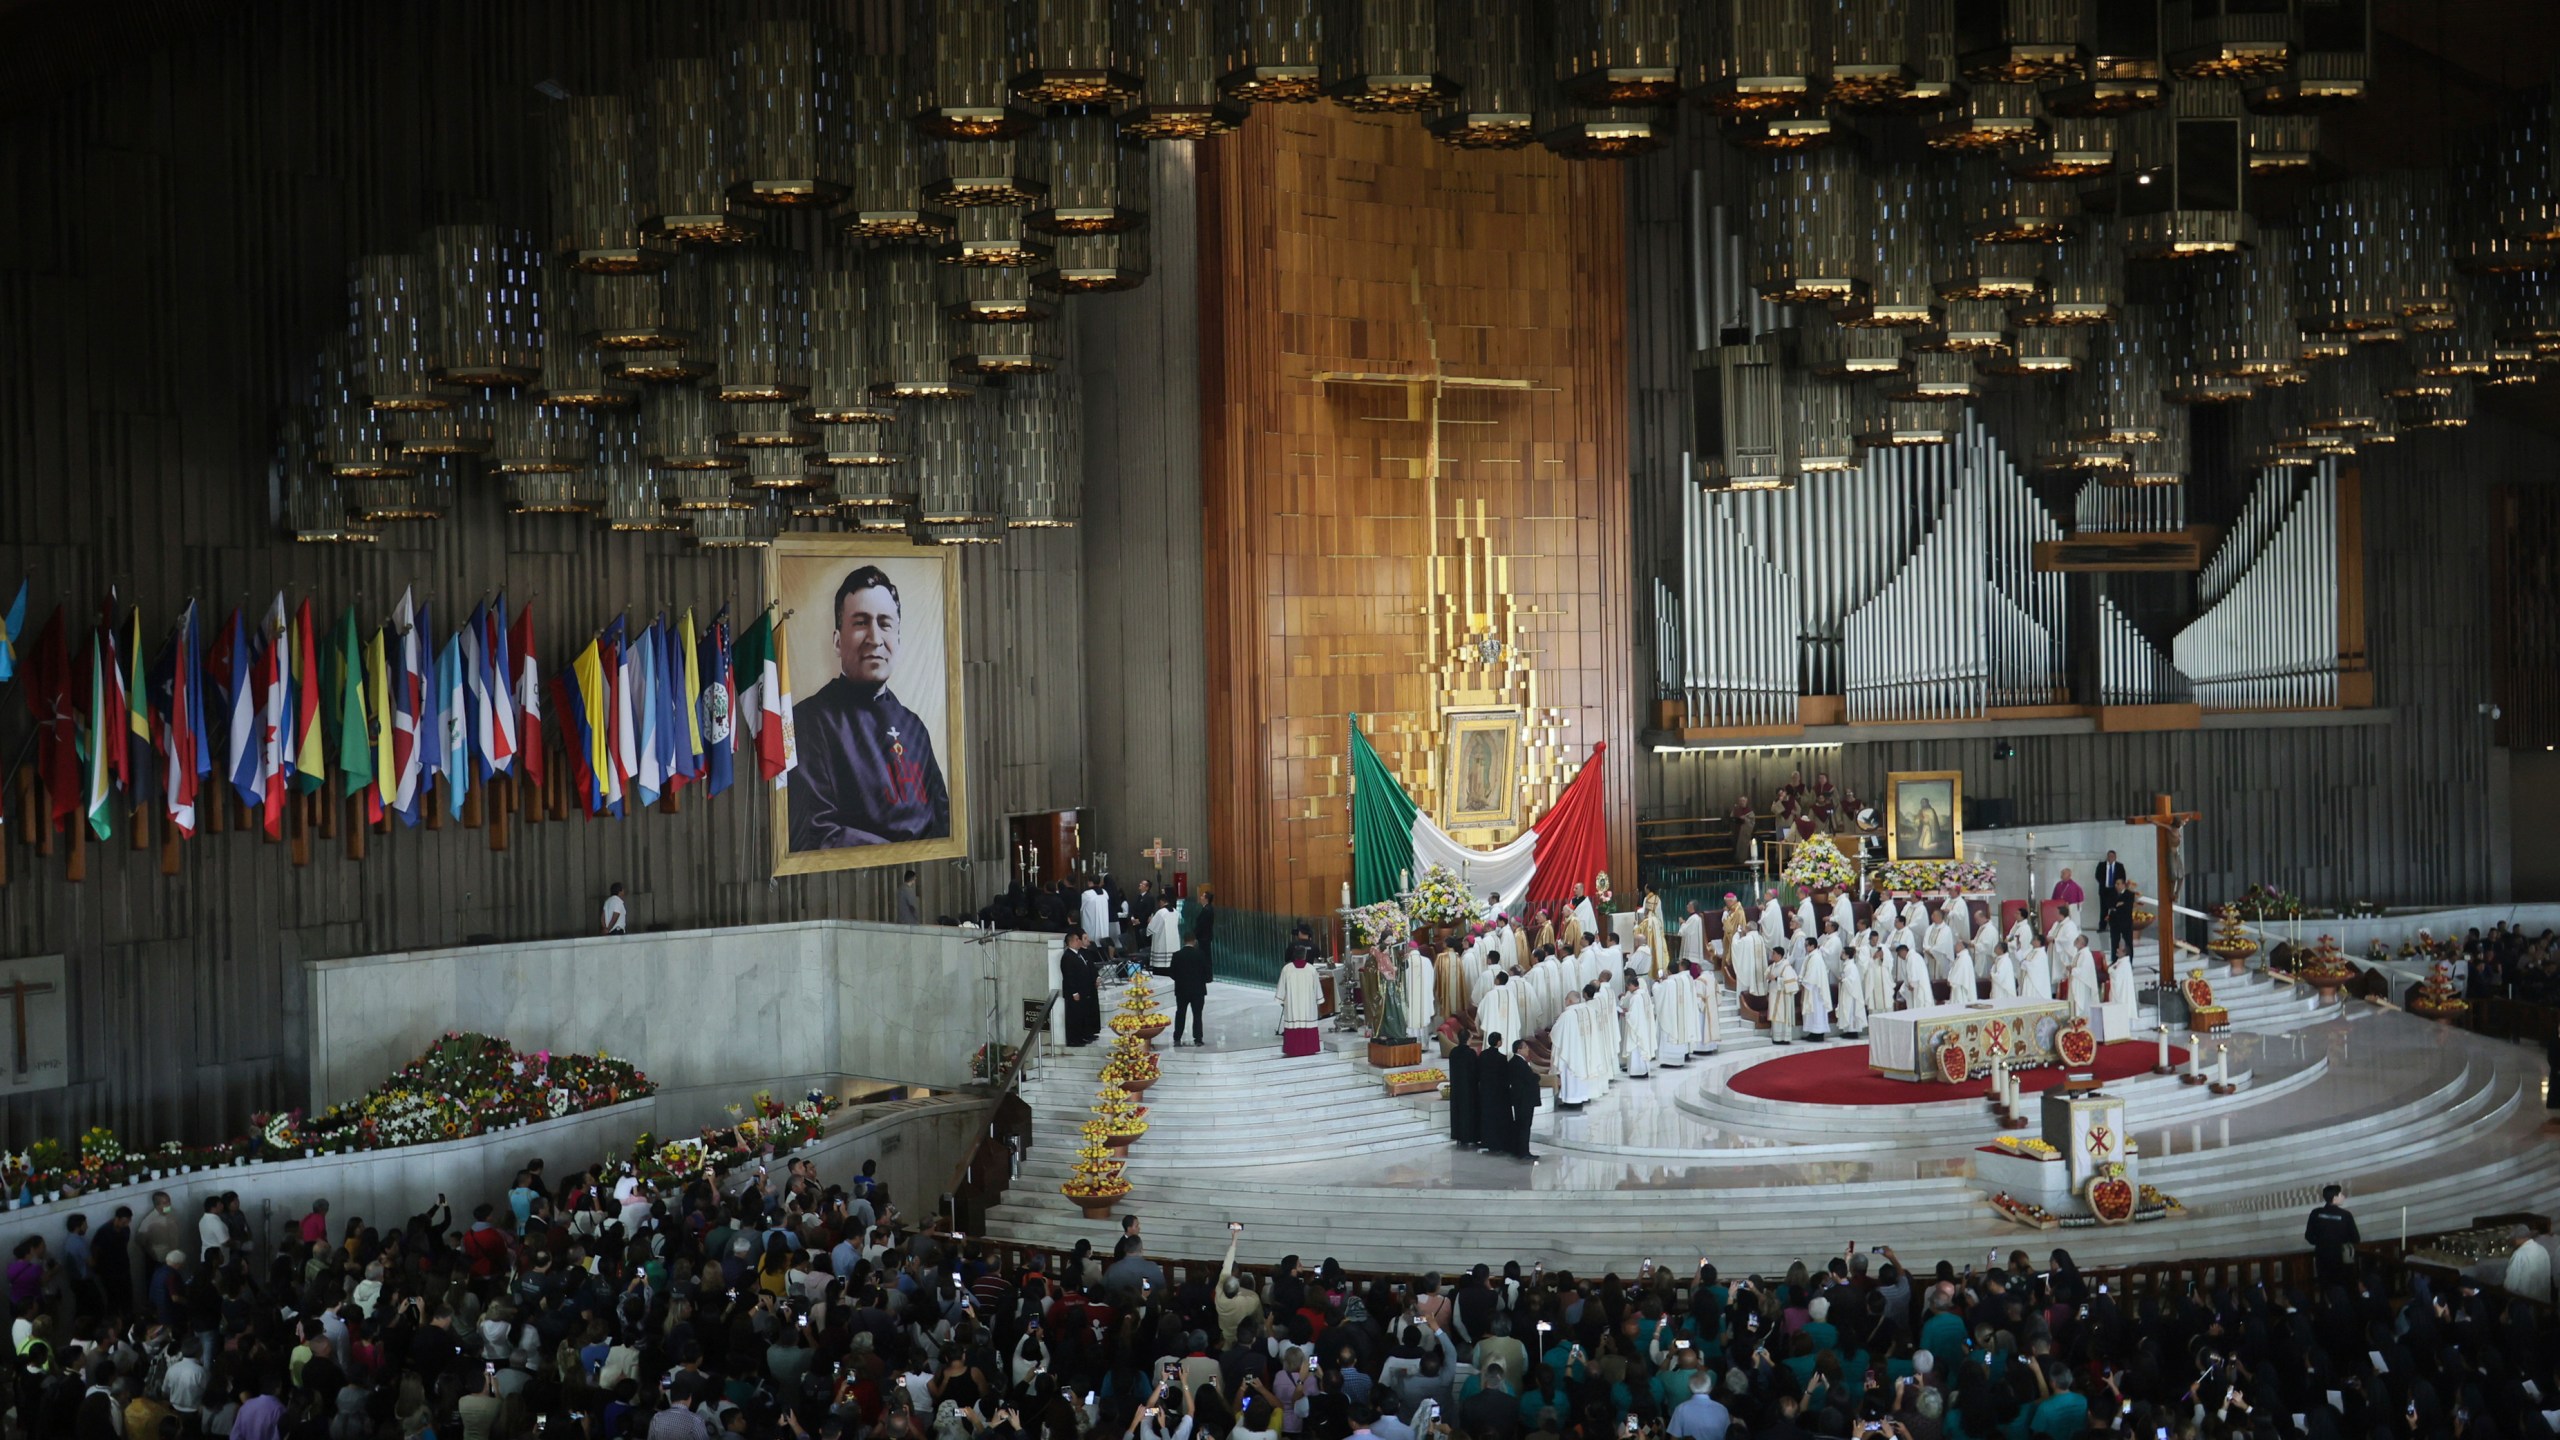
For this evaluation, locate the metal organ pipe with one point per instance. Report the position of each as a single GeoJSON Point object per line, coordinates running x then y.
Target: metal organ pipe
{"type": "Point", "coordinates": [2270, 640]}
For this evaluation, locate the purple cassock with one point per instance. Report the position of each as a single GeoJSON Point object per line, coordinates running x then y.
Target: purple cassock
{"type": "Point", "coordinates": [867, 772]}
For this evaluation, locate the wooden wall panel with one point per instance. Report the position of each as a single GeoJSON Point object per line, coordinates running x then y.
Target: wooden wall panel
{"type": "Point", "coordinates": [180, 235]}
{"type": "Point", "coordinates": [1337, 242]}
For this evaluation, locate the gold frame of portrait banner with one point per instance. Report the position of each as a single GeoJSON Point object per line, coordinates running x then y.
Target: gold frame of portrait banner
{"type": "Point", "coordinates": [1456, 724]}
{"type": "Point", "coordinates": [1893, 783]}
{"type": "Point", "coordinates": [952, 754]}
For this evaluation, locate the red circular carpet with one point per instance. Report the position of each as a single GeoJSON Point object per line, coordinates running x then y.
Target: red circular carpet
{"type": "Point", "coordinates": [1837, 1075]}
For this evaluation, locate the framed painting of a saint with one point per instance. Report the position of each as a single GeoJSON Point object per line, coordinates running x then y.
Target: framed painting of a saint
{"type": "Point", "coordinates": [1480, 768]}
{"type": "Point", "coordinates": [1924, 815]}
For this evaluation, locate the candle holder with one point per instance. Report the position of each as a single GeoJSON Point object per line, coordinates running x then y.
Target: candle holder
{"type": "Point", "coordinates": [2222, 1072]}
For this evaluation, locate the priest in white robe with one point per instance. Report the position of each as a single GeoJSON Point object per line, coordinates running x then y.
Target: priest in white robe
{"type": "Point", "coordinates": [1583, 1066]}
{"type": "Point", "coordinates": [1751, 964]}
{"type": "Point", "coordinates": [1675, 1017]}
{"type": "Point", "coordinates": [2065, 931]}
{"type": "Point", "coordinates": [1093, 910]}
{"type": "Point", "coordinates": [1940, 943]}
{"type": "Point", "coordinates": [1962, 989]}
{"type": "Point", "coordinates": [1917, 992]}
{"type": "Point", "coordinates": [1887, 917]}
{"type": "Point", "coordinates": [1301, 994]}
{"type": "Point", "coordinates": [1900, 939]}
{"type": "Point", "coordinates": [2122, 994]}
{"type": "Point", "coordinates": [2035, 976]}
{"type": "Point", "coordinates": [1877, 974]}
{"type": "Point", "coordinates": [1693, 937]}
{"type": "Point", "coordinates": [1808, 919]}
{"type": "Point", "coordinates": [1708, 993]}
{"type": "Point", "coordinates": [2004, 976]}
{"type": "Point", "coordinates": [1639, 1035]}
{"type": "Point", "coordinates": [1421, 982]}
{"type": "Point", "coordinates": [1844, 913]}
{"type": "Point", "coordinates": [2023, 934]}
{"type": "Point", "coordinates": [1786, 1001]}
{"type": "Point", "coordinates": [1773, 923]}
{"type": "Point", "coordinates": [1816, 1010]}
{"type": "Point", "coordinates": [1480, 980]}
{"type": "Point", "coordinates": [1164, 936]}
{"type": "Point", "coordinates": [1851, 1017]}
{"type": "Point", "coordinates": [2084, 997]}
{"type": "Point", "coordinates": [1585, 916]}
{"type": "Point", "coordinates": [1986, 942]}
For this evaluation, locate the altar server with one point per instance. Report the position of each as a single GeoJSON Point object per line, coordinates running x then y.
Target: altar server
{"type": "Point", "coordinates": [1675, 1017]}
{"type": "Point", "coordinates": [1751, 964]}
{"type": "Point", "coordinates": [1693, 937]}
{"type": "Point", "coordinates": [1773, 923]}
{"type": "Point", "coordinates": [1940, 942]}
{"type": "Point", "coordinates": [1584, 1060]}
{"type": "Point", "coordinates": [1421, 992]}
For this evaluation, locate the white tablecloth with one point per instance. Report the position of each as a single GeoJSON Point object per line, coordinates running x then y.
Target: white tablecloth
{"type": "Point", "coordinates": [1893, 1038]}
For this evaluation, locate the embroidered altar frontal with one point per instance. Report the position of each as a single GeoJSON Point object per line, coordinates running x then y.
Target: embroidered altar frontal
{"type": "Point", "coordinates": [1905, 1044]}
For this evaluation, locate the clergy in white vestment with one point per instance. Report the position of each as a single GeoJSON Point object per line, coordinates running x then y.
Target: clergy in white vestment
{"type": "Point", "coordinates": [1899, 939]}
{"type": "Point", "coordinates": [2085, 998]}
{"type": "Point", "coordinates": [1961, 987]}
{"type": "Point", "coordinates": [1851, 1016]}
{"type": "Point", "coordinates": [1940, 943]}
{"type": "Point", "coordinates": [1498, 1013]}
{"type": "Point", "coordinates": [1649, 936]}
{"type": "Point", "coordinates": [1675, 1017]}
{"type": "Point", "coordinates": [1643, 961]}
{"type": "Point", "coordinates": [1587, 918]}
{"type": "Point", "coordinates": [1887, 916]}
{"type": "Point", "coordinates": [2065, 931]}
{"type": "Point", "coordinates": [1808, 919]}
{"type": "Point", "coordinates": [2035, 976]}
{"type": "Point", "coordinates": [1421, 993]}
{"type": "Point", "coordinates": [1638, 1037]}
{"type": "Point", "coordinates": [1093, 910]}
{"type": "Point", "coordinates": [1877, 974]}
{"type": "Point", "coordinates": [1816, 1011]}
{"type": "Point", "coordinates": [1751, 964]}
{"type": "Point", "coordinates": [1301, 994]}
{"type": "Point", "coordinates": [1480, 980]}
{"type": "Point", "coordinates": [1773, 923]}
{"type": "Point", "coordinates": [2023, 934]}
{"type": "Point", "coordinates": [2122, 988]}
{"type": "Point", "coordinates": [1693, 937]}
{"type": "Point", "coordinates": [1917, 992]}
{"type": "Point", "coordinates": [1608, 958]}
{"type": "Point", "coordinates": [1605, 990]}
{"type": "Point", "coordinates": [1709, 996]}
{"type": "Point", "coordinates": [2004, 976]}
{"type": "Point", "coordinates": [1786, 1001]}
{"type": "Point", "coordinates": [1582, 1067]}
{"type": "Point", "coordinates": [1844, 912]}
{"type": "Point", "coordinates": [1986, 942]}
{"type": "Point", "coordinates": [1164, 936]}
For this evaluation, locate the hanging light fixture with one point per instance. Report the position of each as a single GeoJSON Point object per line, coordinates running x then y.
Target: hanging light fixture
{"type": "Point", "coordinates": [2002, 209]}
{"type": "Point", "coordinates": [973, 45]}
{"type": "Point", "coordinates": [967, 174]}
{"type": "Point", "coordinates": [1040, 450]}
{"type": "Point", "coordinates": [352, 439]}
{"type": "Point", "coordinates": [996, 295]}
{"type": "Point", "coordinates": [816, 500]}
{"type": "Point", "coordinates": [2121, 39]}
{"type": "Point", "coordinates": [2125, 377]}
{"type": "Point", "coordinates": [651, 327]}
{"type": "Point", "coordinates": [2330, 66]}
{"type": "Point", "coordinates": [489, 302]}
{"type": "Point", "coordinates": [2348, 270]}
{"type": "Point", "coordinates": [1083, 52]}
{"type": "Point", "coordinates": [396, 499]}
{"type": "Point", "coordinates": [1018, 347]}
{"type": "Point", "coordinates": [1620, 132]}
{"type": "Point", "coordinates": [1993, 117]}
{"type": "Point", "coordinates": [888, 165]}
{"type": "Point", "coordinates": [2243, 310]}
{"type": "Point", "coordinates": [393, 298]}
{"type": "Point", "coordinates": [2424, 285]}
{"type": "Point", "coordinates": [314, 510]}
{"type": "Point", "coordinates": [533, 438]}
{"type": "Point", "coordinates": [1748, 55]}
{"type": "Point", "coordinates": [680, 429]}
{"type": "Point", "coordinates": [2181, 194]}
{"type": "Point", "coordinates": [463, 428]}
{"type": "Point", "coordinates": [551, 493]}
{"type": "Point", "coordinates": [2346, 397]}
{"type": "Point", "coordinates": [955, 497]}
{"type": "Point", "coordinates": [2527, 311]}
{"type": "Point", "coordinates": [688, 491]}
{"type": "Point", "coordinates": [1824, 420]}
{"type": "Point", "coordinates": [2281, 144]}
{"type": "Point", "coordinates": [2083, 281]}
{"type": "Point", "coordinates": [1619, 52]}
{"type": "Point", "coordinates": [775, 467]}
{"type": "Point", "coordinates": [991, 235]}
{"type": "Point", "coordinates": [1966, 326]}
{"type": "Point", "coordinates": [2449, 411]}
{"type": "Point", "coordinates": [1277, 53]}
{"type": "Point", "coordinates": [2041, 352]}
{"type": "Point", "coordinates": [1097, 184]}
{"type": "Point", "coordinates": [1088, 264]}
{"type": "Point", "coordinates": [1871, 64]}
{"type": "Point", "coordinates": [750, 526]}
{"type": "Point", "coordinates": [2020, 42]}
{"type": "Point", "coordinates": [1180, 40]}
{"type": "Point", "coordinates": [2155, 462]}
{"type": "Point", "coordinates": [1825, 347]}
{"type": "Point", "coordinates": [692, 156]}
{"type": "Point", "coordinates": [915, 352]}
{"type": "Point", "coordinates": [1902, 205]}
{"type": "Point", "coordinates": [1810, 227]}
{"type": "Point", "coordinates": [880, 478]}
{"type": "Point", "coordinates": [1906, 424]}
{"type": "Point", "coordinates": [2067, 148]}
{"type": "Point", "coordinates": [764, 425]}
{"type": "Point", "coordinates": [791, 113]}
{"type": "Point", "coordinates": [573, 372]}
{"type": "Point", "coordinates": [2487, 189]}
{"type": "Point", "coordinates": [1390, 56]}
{"type": "Point", "coordinates": [843, 345]}
{"type": "Point", "coordinates": [621, 470]}
{"type": "Point", "coordinates": [595, 189]}
{"type": "Point", "coordinates": [2229, 39]}
{"type": "Point", "coordinates": [1936, 84]}
{"type": "Point", "coordinates": [870, 446]}
{"type": "Point", "coordinates": [761, 299]}
{"type": "Point", "coordinates": [1934, 375]}
{"type": "Point", "coordinates": [1490, 58]}
{"type": "Point", "coordinates": [1741, 418]}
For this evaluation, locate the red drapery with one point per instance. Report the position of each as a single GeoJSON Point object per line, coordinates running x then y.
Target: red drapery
{"type": "Point", "coordinates": [1573, 837]}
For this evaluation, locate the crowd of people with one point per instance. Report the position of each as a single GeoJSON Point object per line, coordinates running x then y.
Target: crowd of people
{"type": "Point", "coordinates": [766, 1304]}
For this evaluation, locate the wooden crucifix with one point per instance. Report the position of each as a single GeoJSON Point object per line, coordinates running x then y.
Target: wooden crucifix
{"type": "Point", "coordinates": [17, 991]}
{"type": "Point", "coordinates": [2169, 826]}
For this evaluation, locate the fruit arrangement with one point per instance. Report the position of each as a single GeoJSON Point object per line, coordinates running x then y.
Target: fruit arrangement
{"type": "Point", "coordinates": [2154, 1203]}
{"type": "Point", "coordinates": [2077, 1046]}
{"type": "Point", "coordinates": [1132, 1066]}
{"type": "Point", "coordinates": [1117, 1120]}
{"type": "Point", "coordinates": [1414, 1082]}
{"type": "Point", "coordinates": [1138, 1016]}
{"type": "Point", "coordinates": [1098, 1180]}
{"type": "Point", "coordinates": [2023, 1212]}
{"type": "Point", "coordinates": [2230, 938]}
{"type": "Point", "coordinates": [2111, 1196]}
{"type": "Point", "coordinates": [2436, 995]}
{"type": "Point", "coordinates": [2029, 1146]}
{"type": "Point", "coordinates": [2325, 964]}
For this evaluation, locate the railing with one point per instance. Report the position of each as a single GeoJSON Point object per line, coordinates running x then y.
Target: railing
{"type": "Point", "coordinates": [978, 1183]}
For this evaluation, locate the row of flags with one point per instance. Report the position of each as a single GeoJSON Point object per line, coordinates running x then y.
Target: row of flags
{"type": "Point", "coordinates": [275, 707]}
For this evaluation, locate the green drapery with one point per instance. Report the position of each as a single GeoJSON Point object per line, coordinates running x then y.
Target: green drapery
{"type": "Point", "coordinates": [1381, 824]}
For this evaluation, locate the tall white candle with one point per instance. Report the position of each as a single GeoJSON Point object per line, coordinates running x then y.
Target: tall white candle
{"type": "Point", "coordinates": [2164, 1049]}
{"type": "Point", "coordinates": [1346, 894]}
{"type": "Point", "coordinates": [2222, 1066]}
{"type": "Point", "coordinates": [2195, 1055]}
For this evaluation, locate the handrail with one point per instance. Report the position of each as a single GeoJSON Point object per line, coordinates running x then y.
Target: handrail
{"type": "Point", "coordinates": [978, 1182]}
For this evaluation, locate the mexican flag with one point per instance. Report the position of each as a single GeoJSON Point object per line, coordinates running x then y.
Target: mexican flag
{"type": "Point", "coordinates": [1392, 839]}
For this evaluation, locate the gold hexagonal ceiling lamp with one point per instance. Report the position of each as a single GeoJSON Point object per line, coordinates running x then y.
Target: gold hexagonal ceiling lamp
{"type": "Point", "coordinates": [2236, 40]}
{"type": "Point", "coordinates": [760, 302]}
{"type": "Point", "coordinates": [844, 344]}
{"type": "Point", "coordinates": [2181, 183]}
{"type": "Point", "coordinates": [888, 165]}
{"type": "Point", "coordinates": [398, 337]}
{"type": "Point", "coordinates": [1097, 182]}
{"type": "Point", "coordinates": [974, 49]}
{"type": "Point", "coordinates": [1179, 40]}
{"type": "Point", "coordinates": [1494, 61]}
{"type": "Point", "coordinates": [788, 89]}
{"type": "Point", "coordinates": [1275, 53]}
{"type": "Point", "coordinates": [1083, 52]}
{"type": "Point", "coordinates": [595, 192]}
{"type": "Point", "coordinates": [686, 140]}
{"type": "Point", "coordinates": [489, 303]}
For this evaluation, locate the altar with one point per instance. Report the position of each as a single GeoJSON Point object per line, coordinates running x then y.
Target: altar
{"type": "Point", "coordinates": [1904, 1044]}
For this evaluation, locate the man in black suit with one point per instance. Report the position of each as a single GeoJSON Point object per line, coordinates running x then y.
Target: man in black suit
{"type": "Point", "coordinates": [1493, 1097]}
{"type": "Point", "coordinates": [1190, 969]}
{"type": "Point", "coordinates": [1077, 990]}
{"type": "Point", "coordinates": [2115, 906]}
{"type": "Point", "coordinates": [1524, 1099]}
{"type": "Point", "coordinates": [1462, 1089]}
{"type": "Point", "coordinates": [2110, 870]}
{"type": "Point", "coordinates": [2331, 1233]}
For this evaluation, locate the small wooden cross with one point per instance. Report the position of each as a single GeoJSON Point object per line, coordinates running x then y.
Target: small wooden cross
{"type": "Point", "coordinates": [2166, 822]}
{"type": "Point", "coordinates": [17, 990]}
{"type": "Point", "coordinates": [1157, 852]}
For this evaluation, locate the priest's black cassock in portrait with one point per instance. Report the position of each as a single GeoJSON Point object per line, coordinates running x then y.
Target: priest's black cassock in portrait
{"type": "Point", "coordinates": [867, 772]}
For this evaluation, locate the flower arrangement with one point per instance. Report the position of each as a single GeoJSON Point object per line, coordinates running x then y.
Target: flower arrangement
{"type": "Point", "coordinates": [1932, 877]}
{"type": "Point", "coordinates": [2426, 946]}
{"type": "Point", "coordinates": [1383, 923]}
{"type": "Point", "coordinates": [2269, 902]}
{"type": "Point", "coordinates": [1441, 898]}
{"type": "Point", "coordinates": [988, 1064]}
{"type": "Point", "coordinates": [763, 1126]}
{"type": "Point", "coordinates": [1818, 865]}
